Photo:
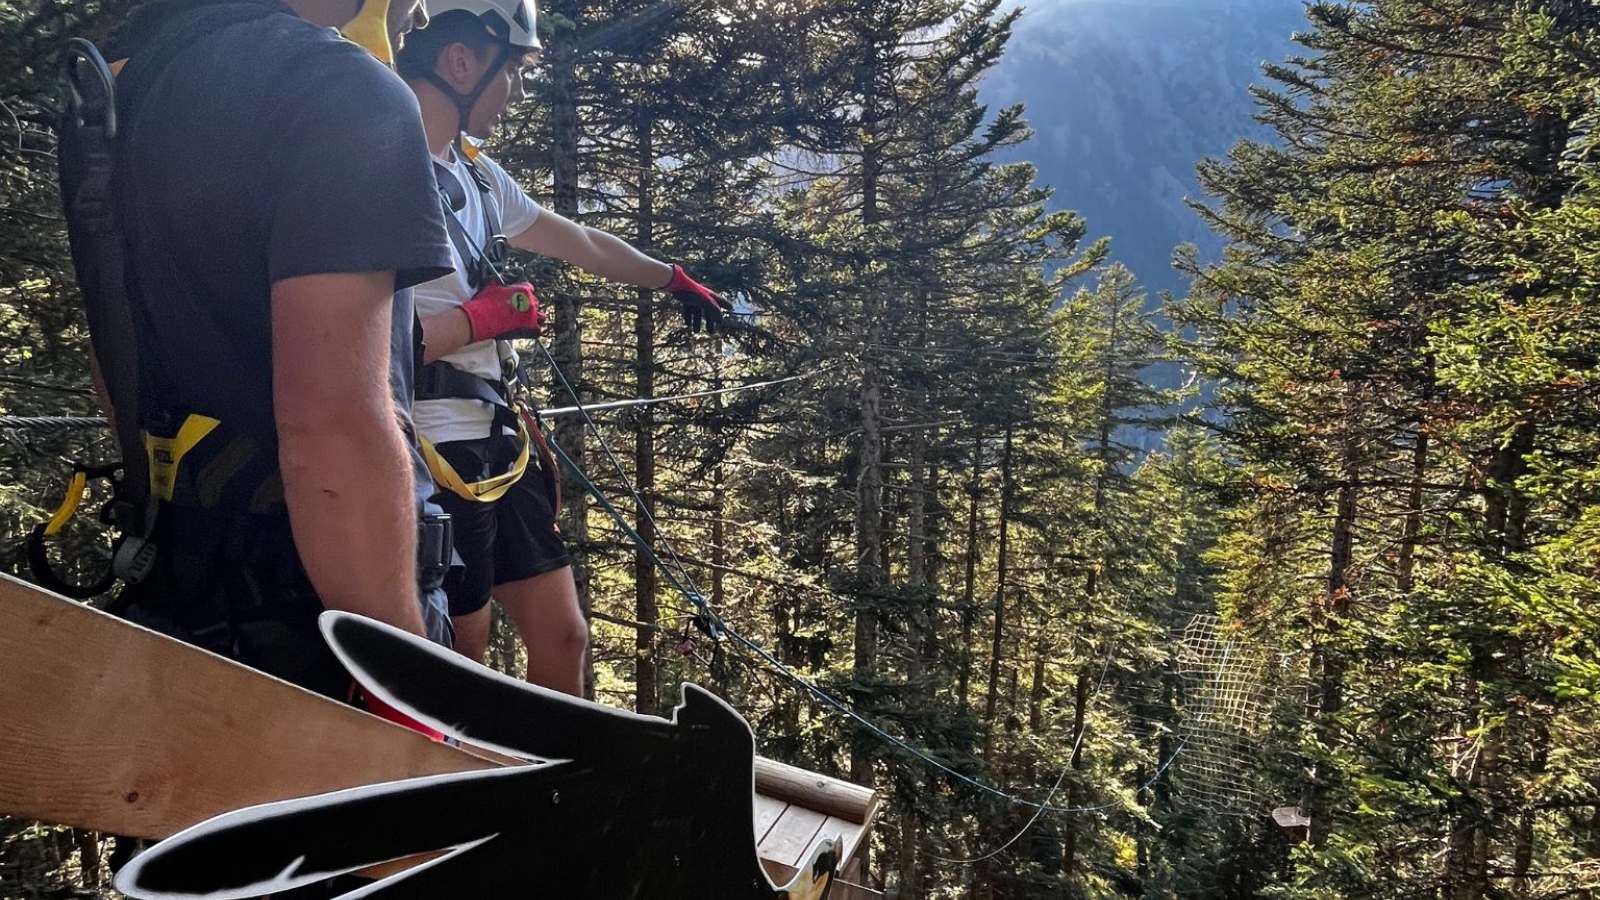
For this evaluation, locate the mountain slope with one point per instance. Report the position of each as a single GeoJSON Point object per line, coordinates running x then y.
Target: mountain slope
{"type": "Point", "coordinates": [1126, 96]}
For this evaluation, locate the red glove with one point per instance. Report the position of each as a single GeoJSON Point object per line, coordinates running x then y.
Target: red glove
{"type": "Point", "coordinates": [504, 311]}
{"type": "Point", "coordinates": [702, 307]}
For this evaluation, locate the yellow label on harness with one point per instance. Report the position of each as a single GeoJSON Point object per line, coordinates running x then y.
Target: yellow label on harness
{"type": "Point", "coordinates": [165, 453]}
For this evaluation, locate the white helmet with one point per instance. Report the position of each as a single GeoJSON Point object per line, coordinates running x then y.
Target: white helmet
{"type": "Point", "coordinates": [514, 21]}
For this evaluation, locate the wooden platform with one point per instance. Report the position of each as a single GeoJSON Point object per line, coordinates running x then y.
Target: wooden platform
{"type": "Point", "coordinates": [114, 728]}
{"type": "Point", "coordinates": [796, 810]}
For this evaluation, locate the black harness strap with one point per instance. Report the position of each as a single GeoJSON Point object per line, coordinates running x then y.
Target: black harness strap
{"type": "Point", "coordinates": [440, 380]}
{"type": "Point", "coordinates": [454, 196]}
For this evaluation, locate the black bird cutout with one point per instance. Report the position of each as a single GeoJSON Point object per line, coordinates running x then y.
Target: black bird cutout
{"type": "Point", "coordinates": [611, 806]}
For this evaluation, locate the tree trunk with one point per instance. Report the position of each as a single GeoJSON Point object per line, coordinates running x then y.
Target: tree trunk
{"type": "Point", "coordinates": [869, 545]}
{"type": "Point", "coordinates": [869, 483]}
{"type": "Point", "coordinates": [1080, 723]}
{"type": "Point", "coordinates": [1527, 821]}
{"type": "Point", "coordinates": [1406, 564]}
{"type": "Point", "coordinates": [567, 348]}
{"type": "Point", "coordinates": [646, 691]}
{"type": "Point", "coordinates": [969, 584]}
{"type": "Point", "coordinates": [996, 642]}
{"type": "Point", "coordinates": [1505, 518]}
{"type": "Point", "coordinates": [1327, 658]}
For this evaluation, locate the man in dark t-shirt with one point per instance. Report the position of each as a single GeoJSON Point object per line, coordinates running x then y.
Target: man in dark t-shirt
{"type": "Point", "coordinates": [277, 203]}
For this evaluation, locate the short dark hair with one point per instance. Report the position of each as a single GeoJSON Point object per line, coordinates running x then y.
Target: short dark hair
{"type": "Point", "coordinates": [420, 52]}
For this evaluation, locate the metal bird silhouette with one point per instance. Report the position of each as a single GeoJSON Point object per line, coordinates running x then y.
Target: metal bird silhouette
{"type": "Point", "coordinates": [611, 805]}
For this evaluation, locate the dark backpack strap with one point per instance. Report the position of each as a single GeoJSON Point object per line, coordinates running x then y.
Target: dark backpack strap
{"type": "Point", "coordinates": [85, 159]}
{"type": "Point", "coordinates": [453, 196]}
{"type": "Point", "coordinates": [98, 115]}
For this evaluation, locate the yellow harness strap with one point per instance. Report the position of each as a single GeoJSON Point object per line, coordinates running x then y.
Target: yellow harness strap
{"type": "Point", "coordinates": [77, 489]}
{"type": "Point", "coordinates": [165, 453]}
{"type": "Point", "coordinates": [487, 490]}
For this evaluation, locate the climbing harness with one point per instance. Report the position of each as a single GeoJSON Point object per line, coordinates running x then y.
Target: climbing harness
{"type": "Point", "coordinates": [486, 266]}
{"type": "Point", "coordinates": [205, 548]}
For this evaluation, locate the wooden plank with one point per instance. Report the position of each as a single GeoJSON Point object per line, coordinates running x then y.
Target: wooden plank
{"type": "Point", "coordinates": [794, 832]}
{"type": "Point", "coordinates": [173, 734]}
{"type": "Point", "coordinates": [114, 728]}
{"type": "Point", "coordinates": [849, 834]}
{"type": "Point", "coordinates": [854, 836]}
{"type": "Point", "coordinates": [767, 811]}
{"type": "Point", "coordinates": [829, 796]}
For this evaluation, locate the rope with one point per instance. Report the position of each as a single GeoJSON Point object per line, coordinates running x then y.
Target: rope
{"type": "Point", "coordinates": [43, 423]}
{"type": "Point", "coordinates": [622, 473]}
{"type": "Point", "coordinates": [721, 625]}
{"type": "Point", "coordinates": [1083, 730]}
{"type": "Point", "coordinates": [50, 423]}
{"type": "Point", "coordinates": [650, 401]}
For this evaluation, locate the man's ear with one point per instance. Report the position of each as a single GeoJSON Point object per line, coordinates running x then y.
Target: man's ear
{"type": "Point", "coordinates": [458, 65]}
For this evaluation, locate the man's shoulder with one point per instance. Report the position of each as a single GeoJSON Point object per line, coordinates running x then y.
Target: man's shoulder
{"type": "Point", "coordinates": [317, 63]}
{"type": "Point", "coordinates": [504, 185]}
{"type": "Point", "coordinates": [306, 67]}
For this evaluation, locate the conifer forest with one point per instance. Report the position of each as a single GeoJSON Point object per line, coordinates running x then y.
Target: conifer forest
{"type": "Point", "coordinates": [1317, 618]}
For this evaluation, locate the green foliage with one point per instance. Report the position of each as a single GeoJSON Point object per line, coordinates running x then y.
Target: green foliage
{"type": "Point", "coordinates": [1388, 491]}
{"type": "Point", "coordinates": [1401, 339]}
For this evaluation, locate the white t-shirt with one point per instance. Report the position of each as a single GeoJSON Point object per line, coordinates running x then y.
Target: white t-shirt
{"type": "Point", "coordinates": [461, 419]}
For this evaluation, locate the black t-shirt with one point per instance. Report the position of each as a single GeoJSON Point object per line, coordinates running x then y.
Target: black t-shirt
{"type": "Point", "coordinates": [258, 148]}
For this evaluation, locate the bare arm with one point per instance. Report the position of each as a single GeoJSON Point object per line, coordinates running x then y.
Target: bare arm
{"type": "Point", "coordinates": [592, 250]}
{"type": "Point", "coordinates": [346, 467]}
{"type": "Point", "coordinates": [553, 235]}
{"type": "Point", "coordinates": [444, 334]}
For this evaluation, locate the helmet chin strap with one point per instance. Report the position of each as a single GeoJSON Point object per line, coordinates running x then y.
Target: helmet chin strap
{"type": "Point", "coordinates": [465, 102]}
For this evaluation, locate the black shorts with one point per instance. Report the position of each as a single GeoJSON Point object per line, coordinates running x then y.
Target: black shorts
{"type": "Point", "coordinates": [505, 540]}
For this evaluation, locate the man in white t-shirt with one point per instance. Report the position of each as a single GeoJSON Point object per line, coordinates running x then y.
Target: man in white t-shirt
{"type": "Point", "coordinates": [466, 67]}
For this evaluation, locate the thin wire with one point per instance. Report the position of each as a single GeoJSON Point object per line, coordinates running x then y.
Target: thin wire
{"type": "Point", "coordinates": [720, 624]}
{"type": "Point", "coordinates": [1083, 729]}
{"type": "Point", "coordinates": [27, 423]}
{"type": "Point", "coordinates": [650, 401]}
{"type": "Point", "coordinates": [616, 463]}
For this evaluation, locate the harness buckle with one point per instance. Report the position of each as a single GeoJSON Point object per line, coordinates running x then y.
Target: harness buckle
{"type": "Point", "coordinates": [135, 559]}
{"type": "Point", "coordinates": [435, 546]}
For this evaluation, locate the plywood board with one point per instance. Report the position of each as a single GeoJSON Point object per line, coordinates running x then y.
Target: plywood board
{"type": "Point", "coordinates": [114, 728]}
{"type": "Point", "coordinates": [120, 729]}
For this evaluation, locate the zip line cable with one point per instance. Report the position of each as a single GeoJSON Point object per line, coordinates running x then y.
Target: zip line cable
{"type": "Point", "coordinates": [50, 423]}
{"type": "Point", "coordinates": [696, 395]}
{"type": "Point", "coordinates": [685, 586]}
{"type": "Point", "coordinates": [622, 473]}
